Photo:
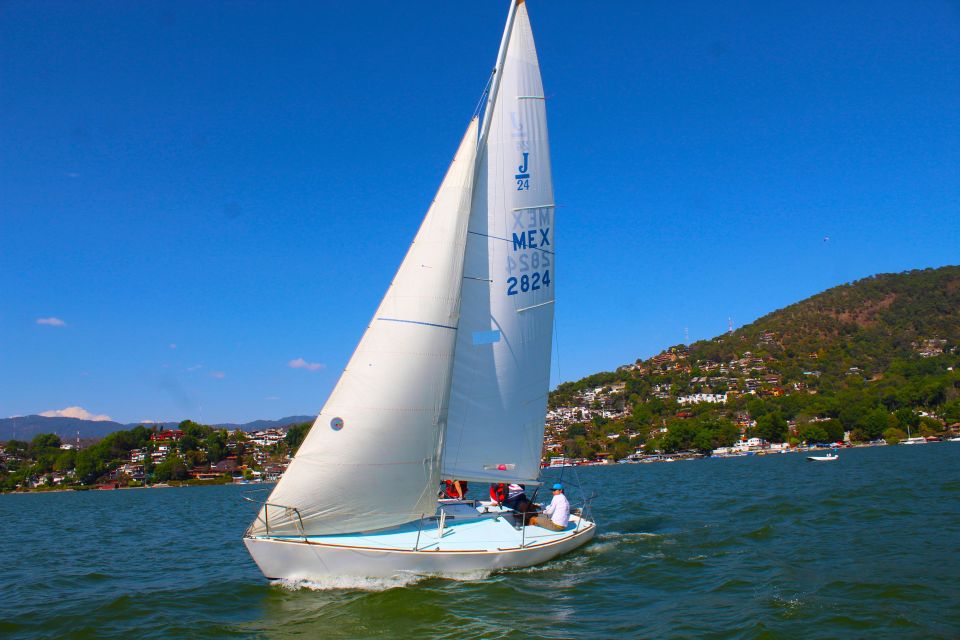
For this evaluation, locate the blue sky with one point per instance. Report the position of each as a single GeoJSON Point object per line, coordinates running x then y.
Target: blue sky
{"type": "Point", "coordinates": [205, 193]}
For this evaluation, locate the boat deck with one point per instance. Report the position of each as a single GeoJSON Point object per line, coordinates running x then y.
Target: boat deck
{"type": "Point", "coordinates": [466, 528]}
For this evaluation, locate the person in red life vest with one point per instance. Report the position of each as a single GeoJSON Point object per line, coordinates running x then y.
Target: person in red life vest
{"type": "Point", "coordinates": [498, 492]}
{"type": "Point", "coordinates": [511, 496]}
{"type": "Point", "coordinates": [456, 489]}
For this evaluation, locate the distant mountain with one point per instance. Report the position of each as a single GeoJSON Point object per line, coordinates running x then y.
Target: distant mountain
{"type": "Point", "coordinates": [258, 425]}
{"type": "Point", "coordinates": [26, 427]}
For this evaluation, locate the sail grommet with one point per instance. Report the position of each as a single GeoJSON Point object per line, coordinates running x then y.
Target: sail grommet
{"type": "Point", "coordinates": [336, 424]}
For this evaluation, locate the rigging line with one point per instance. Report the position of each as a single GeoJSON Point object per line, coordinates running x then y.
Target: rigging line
{"type": "Point", "coordinates": [556, 342]}
{"type": "Point", "coordinates": [426, 324]}
{"type": "Point", "coordinates": [477, 233]}
{"type": "Point", "coordinates": [483, 94]}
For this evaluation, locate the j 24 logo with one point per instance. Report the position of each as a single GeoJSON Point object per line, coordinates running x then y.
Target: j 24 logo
{"type": "Point", "coordinates": [523, 178]}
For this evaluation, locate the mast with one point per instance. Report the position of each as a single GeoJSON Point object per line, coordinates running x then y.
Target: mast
{"type": "Point", "coordinates": [497, 72]}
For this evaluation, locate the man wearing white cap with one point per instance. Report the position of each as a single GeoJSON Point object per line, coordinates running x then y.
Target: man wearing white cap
{"type": "Point", "coordinates": [556, 516]}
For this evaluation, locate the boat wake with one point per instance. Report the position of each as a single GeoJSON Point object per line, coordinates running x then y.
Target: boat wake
{"type": "Point", "coordinates": [609, 541]}
{"type": "Point", "coordinates": [357, 583]}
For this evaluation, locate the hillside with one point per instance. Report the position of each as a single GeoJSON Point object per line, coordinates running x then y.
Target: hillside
{"type": "Point", "coordinates": [875, 358]}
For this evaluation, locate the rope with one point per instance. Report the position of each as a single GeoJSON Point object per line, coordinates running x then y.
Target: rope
{"type": "Point", "coordinates": [483, 95]}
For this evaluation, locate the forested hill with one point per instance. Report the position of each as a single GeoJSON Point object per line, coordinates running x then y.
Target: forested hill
{"type": "Point", "coordinates": [877, 354]}
{"type": "Point", "coordinates": [866, 324]}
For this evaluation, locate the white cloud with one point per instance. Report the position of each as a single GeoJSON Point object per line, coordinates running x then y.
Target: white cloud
{"type": "Point", "coordinates": [300, 363]}
{"type": "Point", "coordinates": [219, 375]}
{"type": "Point", "coordinates": [75, 412]}
{"type": "Point", "coordinates": [51, 322]}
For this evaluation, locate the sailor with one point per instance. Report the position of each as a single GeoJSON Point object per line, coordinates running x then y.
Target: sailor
{"type": "Point", "coordinates": [510, 496]}
{"type": "Point", "coordinates": [516, 498]}
{"type": "Point", "coordinates": [557, 515]}
{"type": "Point", "coordinates": [455, 489]}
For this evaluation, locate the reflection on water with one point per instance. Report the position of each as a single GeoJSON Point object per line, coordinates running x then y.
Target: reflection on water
{"type": "Point", "coordinates": [740, 548]}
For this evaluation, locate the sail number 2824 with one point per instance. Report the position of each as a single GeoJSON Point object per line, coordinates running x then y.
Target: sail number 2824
{"type": "Point", "coordinates": [528, 282]}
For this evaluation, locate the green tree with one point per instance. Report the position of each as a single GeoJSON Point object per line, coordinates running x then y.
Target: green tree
{"type": "Point", "coordinates": [812, 433]}
{"type": "Point", "coordinates": [893, 435]}
{"type": "Point", "coordinates": [90, 466]}
{"type": "Point", "coordinates": [875, 422]}
{"type": "Point", "coordinates": [45, 441]}
{"type": "Point", "coordinates": [173, 468]}
{"type": "Point", "coordinates": [772, 427]}
{"type": "Point", "coordinates": [295, 435]}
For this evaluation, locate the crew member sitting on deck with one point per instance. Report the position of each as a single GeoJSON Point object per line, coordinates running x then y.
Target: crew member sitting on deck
{"type": "Point", "coordinates": [556, 516]}
{"type": "Point", "coordinates": [510, 496]}
{"type": "Point", "coordinates": [455, 489]}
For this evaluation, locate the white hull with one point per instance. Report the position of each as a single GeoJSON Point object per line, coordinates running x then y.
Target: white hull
{"type": "Point", "coordinates": [296, 559]}
{"type": "Point", "coordinates": [822, 458]}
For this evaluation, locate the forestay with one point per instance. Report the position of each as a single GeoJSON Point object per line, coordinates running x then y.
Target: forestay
{"type": "Point", "coordinates": [372, 458]}
{"type": "Point", "coordinates": [502, 366]}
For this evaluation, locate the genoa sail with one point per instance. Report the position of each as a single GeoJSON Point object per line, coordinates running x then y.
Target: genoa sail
{"type": "Point", "coordinates": [501, 373]}
{"type": "Point", "coordinates": [372, 458]}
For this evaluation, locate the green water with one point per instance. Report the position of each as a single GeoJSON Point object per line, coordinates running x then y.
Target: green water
{"type": "Point", "coordinates": [769, 547]}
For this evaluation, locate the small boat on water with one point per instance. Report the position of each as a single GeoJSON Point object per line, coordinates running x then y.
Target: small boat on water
{"type": "Point", "coordinates": [830, 457]}
{"type": "Point", "coordinates": [450, 379]}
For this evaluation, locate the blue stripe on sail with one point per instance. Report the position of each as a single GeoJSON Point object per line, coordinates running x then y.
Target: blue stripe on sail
{"type": "Point", "coordinates": [426, 324]}
{"type": "Point", "coordinates": [486, 337]}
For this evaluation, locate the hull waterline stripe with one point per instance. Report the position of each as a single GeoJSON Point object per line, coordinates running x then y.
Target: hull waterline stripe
{"type": "Point", "coordinates": [426, 324]}
{"type": "Point", "coordinates": [576, 534]}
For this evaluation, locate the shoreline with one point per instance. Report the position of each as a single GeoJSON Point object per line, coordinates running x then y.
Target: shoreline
{"type": "Point", "coordinates": [670, 458]}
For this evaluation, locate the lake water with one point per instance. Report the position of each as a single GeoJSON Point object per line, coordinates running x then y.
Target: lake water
{"type": "Point", "coordinates": [759, 547]}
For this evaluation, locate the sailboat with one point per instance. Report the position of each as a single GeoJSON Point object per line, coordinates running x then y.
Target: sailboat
{"type": "Point", "coordinates": [450, 379]}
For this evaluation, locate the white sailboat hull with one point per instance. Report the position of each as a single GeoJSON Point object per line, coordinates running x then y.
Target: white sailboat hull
{"type": "Point", "coordinates": [298, 559]}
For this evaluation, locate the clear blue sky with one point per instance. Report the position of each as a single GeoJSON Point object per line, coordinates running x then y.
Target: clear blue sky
{"type": "Point", "coordinates": [205, 192]}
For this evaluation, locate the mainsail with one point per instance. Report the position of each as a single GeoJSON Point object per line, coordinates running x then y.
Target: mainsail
{"type": "Point", "coordinates": [501, 373]}
{"type": "Point", "coordinates": [372, 458]}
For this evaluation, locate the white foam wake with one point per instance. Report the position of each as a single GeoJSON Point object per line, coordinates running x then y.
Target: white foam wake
{"type": "Point", "coordinates": [359, 583]}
